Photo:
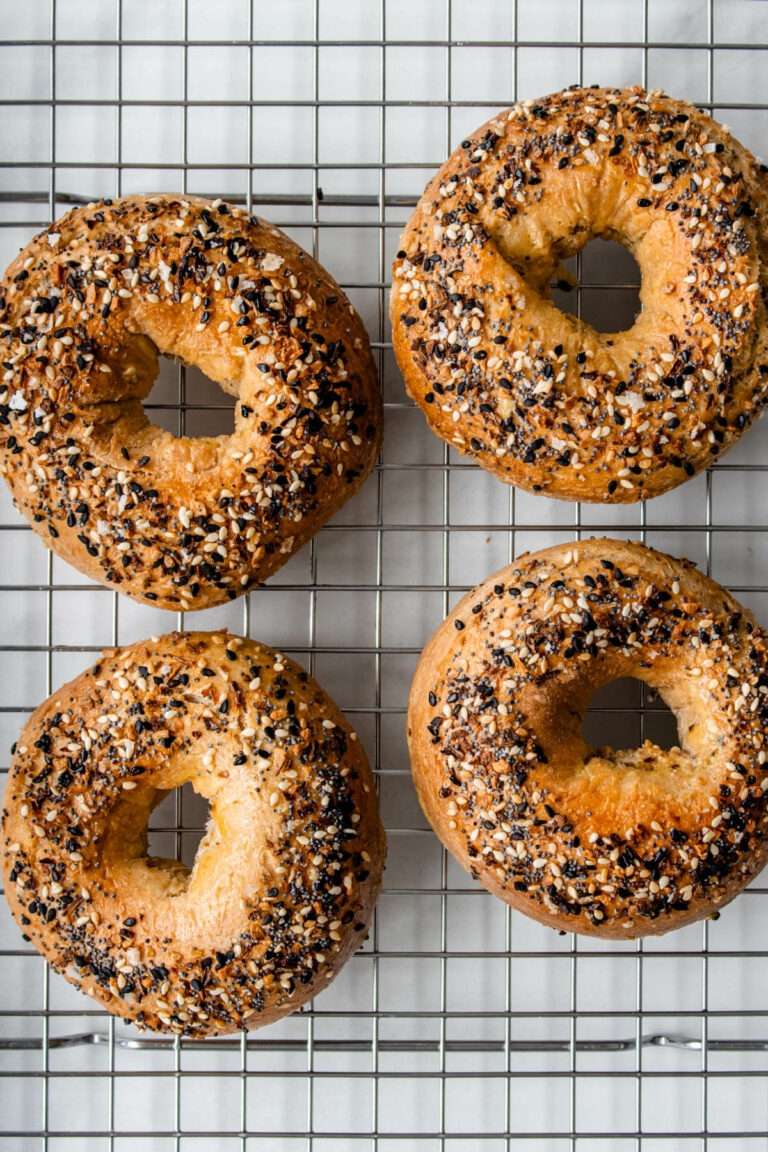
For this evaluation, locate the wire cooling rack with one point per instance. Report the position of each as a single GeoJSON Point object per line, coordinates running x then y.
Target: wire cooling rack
{"type": "Point", "coordinates": [459, 1025]}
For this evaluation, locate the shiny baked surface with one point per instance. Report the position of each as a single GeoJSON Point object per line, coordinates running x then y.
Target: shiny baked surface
{"type": "Point", "coordinates": [538, 397]}
{"type": "Point", "coordinates": [618, 843]}
{"type": "Point", "coordinates": [180, 522]}
{"type": "Point", "coordinates": [284, 882]}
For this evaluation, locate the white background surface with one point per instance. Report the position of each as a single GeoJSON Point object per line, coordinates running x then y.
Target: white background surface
{"type": "Point", "coordinates": [447, 966]}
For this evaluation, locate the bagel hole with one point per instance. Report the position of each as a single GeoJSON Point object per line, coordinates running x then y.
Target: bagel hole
{"type": "Point", "coordinates": [185, 402]}
{"type": "Point", "coordinates": [177, 826]}
{"type": "Point", "coordinates": [624, 713]}
{"type": "Point", "coordinates": [606, 293]}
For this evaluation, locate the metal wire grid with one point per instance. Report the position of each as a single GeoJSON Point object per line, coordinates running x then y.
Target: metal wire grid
{"type": "Point", "coordinates": [562, 1062]}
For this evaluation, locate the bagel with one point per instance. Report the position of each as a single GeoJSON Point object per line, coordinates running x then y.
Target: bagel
{"type": "Point", "coordinates": [285, 879]}
{"type": "Point", "coordinates": [607, 843]}
{"type": "Point", "coordinates": [539, 398]}
{"type": "Point", "coordinates": [181, 522]}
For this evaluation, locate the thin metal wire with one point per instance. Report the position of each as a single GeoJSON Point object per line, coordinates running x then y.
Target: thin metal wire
{"type": "Point", "coordinates": [353, 42]}
{"type": "Point", "coordinates": [247, 596]}
{"type": "Point", "coordinates": [685, 1032]}
{"type": "Point", "coordinates": [376, 1045]}
{"type": "Point", "coordinates": [585, 1136]}
{"type": "Point", "coordinates": [511, 549]}
{"type": "Point", "coordinates": [312, 624]}
{"type": "Point", "coordinates": [644, 697]}
{"type": "Point", "coordinates": [657, 1040]}
{"type": "Point", "coordinates": [45, 1022]}
{"type": "Point", "coordinates": [115, 598]}
{"type": "Point", "coordinates": [446, 558]}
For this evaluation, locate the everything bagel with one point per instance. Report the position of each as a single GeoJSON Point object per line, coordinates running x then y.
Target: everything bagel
{"type": "Point", "coordinates": [287, 874]}
{"type": "Point", "coordinates": [540, 398]}
{"type": "Point", "coordinates": [606, 843]}
{"type": "Point", "coordinates": [179, 522]}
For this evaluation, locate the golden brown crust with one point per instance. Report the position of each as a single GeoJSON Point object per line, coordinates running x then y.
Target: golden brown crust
{"type": "Point", "coordinates": [540, 398]}
{"type": "Point", "coordinates": [285, 880]}
{"type": "Point", "coordinates": [181, 522]}
{"type": "Point", "coordinates": [611, 844]}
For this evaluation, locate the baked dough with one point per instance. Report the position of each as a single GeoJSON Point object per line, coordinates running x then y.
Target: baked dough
{"type": "Point", "coordinates": [285, 879]}
{"type": "Point", "coordinates": [177, 521]}
{"type": "Point", "coordinates": [606, 843]}
{"type": "Point", "coordinates": [537, 397]}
